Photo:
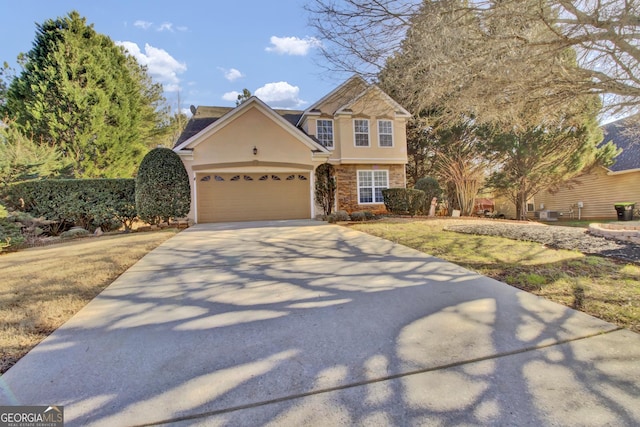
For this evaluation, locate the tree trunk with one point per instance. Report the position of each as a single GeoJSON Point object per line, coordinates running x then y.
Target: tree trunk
{"type": "Point", "coordinates": [521, 206]}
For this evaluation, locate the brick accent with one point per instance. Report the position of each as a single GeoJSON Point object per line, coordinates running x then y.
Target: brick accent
{"type": "Point", "coordinates": [347, 185]}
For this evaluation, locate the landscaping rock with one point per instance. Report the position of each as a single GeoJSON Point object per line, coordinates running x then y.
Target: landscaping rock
{"type": "Point", "coordinates": [98, 232]}
{"type": "Point", "coordinates": [75, 232]}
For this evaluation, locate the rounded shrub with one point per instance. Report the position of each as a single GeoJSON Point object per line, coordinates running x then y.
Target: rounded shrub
{"type": "Point", "coordinates": [401, 201]}
{"type": "Point", "coordinates": [162, 187]}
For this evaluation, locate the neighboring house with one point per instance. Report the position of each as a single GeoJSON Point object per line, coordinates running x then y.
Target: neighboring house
{"type": "Point", "coordinates": [253, 162]}
{"type": "Point", "coordinates": [599, 189]}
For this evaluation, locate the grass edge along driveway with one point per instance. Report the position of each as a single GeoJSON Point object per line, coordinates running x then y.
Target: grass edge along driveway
{"type": "Point", "coordinates": [41, 288]}
{"type": "Point", "coordinates": [602, 287]}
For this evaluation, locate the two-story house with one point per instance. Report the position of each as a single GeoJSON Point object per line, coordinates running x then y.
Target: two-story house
{"type": "Point", "coordinates": [253, 162]}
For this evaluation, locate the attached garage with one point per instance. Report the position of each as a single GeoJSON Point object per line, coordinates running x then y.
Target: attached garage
{"type": "Point", "coordinates": [249, 163]}
{"type": "Point", "coordinates": [222, 197]}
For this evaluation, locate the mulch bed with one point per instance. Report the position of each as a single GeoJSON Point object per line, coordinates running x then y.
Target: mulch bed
{"type": "Point", "coordinates": [557, 237]}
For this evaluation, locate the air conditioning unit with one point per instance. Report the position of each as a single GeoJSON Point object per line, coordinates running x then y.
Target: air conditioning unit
{"type": "Point", "coordinates": [547, 215]}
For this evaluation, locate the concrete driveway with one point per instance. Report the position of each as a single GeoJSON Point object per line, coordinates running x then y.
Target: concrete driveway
{"type": "Point", "coordinates": [301, 323]}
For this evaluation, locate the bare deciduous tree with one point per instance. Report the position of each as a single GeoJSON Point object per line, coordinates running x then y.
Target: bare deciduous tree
{"type": "Point", "coordinates": [492, 59]}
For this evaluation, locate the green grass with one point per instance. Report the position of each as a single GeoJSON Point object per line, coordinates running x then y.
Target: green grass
{"type": "Point", "coordinates": [605, 288]}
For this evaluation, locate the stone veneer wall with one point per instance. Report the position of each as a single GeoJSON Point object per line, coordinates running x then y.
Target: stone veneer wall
{"type": "Point", "coordinates": [625, 231]}
{"type": "Point", "coordinates": [347, 183]}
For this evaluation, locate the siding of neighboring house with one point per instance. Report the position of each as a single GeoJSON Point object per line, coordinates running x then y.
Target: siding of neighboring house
{"type": "Point", "coordinates": [504, 206]}
{"type": "Point", "coordinates": [598, 190]}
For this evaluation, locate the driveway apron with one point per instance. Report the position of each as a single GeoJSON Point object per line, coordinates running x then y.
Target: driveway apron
{"type": "Point", "coordinates": [302, 323]}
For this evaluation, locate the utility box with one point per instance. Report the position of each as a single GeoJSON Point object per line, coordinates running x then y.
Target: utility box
{"type": "Point", "coordinates": [625, 211]}
{"type": "Point", "coordinates": [547, 215]}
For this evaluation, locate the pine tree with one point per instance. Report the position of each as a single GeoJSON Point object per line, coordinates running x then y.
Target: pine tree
{"type": "Point", "coordinates": [83, 94]}
{"type": "Point", "coordinates": [21, 159]}
{"type": "Point", "coordinates": [542, 157]}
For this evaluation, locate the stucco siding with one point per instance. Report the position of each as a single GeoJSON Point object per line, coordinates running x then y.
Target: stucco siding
{"type": "Point", "coordinates": [235, 142]}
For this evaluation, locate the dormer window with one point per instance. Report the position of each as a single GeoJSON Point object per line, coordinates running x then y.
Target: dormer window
{"type": "Point", "coordinates": [361, 132]}
{"type": "Point", "coordinates": [324, 132]}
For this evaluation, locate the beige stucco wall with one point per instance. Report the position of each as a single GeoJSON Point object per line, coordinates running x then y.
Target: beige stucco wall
{"type": "Point", "coordinates": [230, 149]}
{"type": "Point", "coordinates": [598, 190]}
{"type": "Point", "coordinates": [345, 151]}
{"type": "Point", "coordinates": [235, 141]}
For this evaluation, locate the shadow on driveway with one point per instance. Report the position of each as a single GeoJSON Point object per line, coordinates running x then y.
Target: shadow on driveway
{"type": "Point", "coordinates": [295, 323]}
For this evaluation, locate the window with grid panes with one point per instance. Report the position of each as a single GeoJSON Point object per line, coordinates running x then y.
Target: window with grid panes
{"type": "Point", "coordinates": [361, 132]}
{"type": "Point", "coordinates": [385, 133]}
{"type": "Point", "coordinates": [324, 132]}
{"type": "Point", "coordinates": [370, 185]}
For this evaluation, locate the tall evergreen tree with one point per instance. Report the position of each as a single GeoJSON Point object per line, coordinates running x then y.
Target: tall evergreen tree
{"type": "Point", "coordinates": [22, 159]}
{"type": "Point", "coordinates": [82, 93]}
{"type": "Point", "coordinates": [542, 157]}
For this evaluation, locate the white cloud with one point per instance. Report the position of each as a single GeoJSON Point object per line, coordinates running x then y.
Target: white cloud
{"type": "Point", "coordinates": [231, 96]}
{"type": "Point", "coordinates": [166, 26]}
{"type": "Point", "coordinates": [231, 74]}
{"type": "Point", "coordinates": [163, 67]}
{"type": "Point", "coordinates": [292, 45]}
{"type": "Point", "coordinates": [280, 95]}
{"type": "Point", "coordinates": [142, 24]}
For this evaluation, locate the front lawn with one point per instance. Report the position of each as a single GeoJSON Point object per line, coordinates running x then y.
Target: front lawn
{"type": "Point", "coordinates": [604, 288]}
{"type": "Point", "coordinates": [43, 287]}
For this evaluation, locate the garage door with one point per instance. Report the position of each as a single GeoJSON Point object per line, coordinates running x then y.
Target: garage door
{"type": "Point", "coordinates": [252, 196]}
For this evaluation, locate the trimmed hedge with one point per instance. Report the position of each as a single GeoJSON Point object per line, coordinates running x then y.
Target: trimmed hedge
{"type": "Point", "coordinates": [162, 187]}
{"type": "Point", "coordinates": [403, 200]}
{"type": "Point", "coordinates": [87, 203]}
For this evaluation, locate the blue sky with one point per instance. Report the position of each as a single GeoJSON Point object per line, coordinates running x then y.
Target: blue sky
{"type": "Point", "coordinates": [207, 51]}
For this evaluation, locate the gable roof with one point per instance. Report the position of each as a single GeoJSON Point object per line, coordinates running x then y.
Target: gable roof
{"type": "Point", "coordinates": [353, 98]}
{"type": "Point", "coordinates": [206, 115]}
{"type": "Point", "coordinates": [399, 109]}
{"type": "Point", "coordinates": [349, 82]}
{"type": "Point", "coordinates": [208, 119]}
{"type": "Point", "coordinates": [625, 134]}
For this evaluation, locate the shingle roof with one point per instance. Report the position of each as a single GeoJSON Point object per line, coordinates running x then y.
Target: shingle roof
{"type": "Point", "coordinates": [205, 116]}
{"type": "Point", "coordinates": [624, 136]}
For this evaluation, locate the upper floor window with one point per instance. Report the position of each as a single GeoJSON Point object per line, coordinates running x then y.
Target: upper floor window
{"type": "Point", "coordinates": [361, 132]}
{"type": "Point", "coordinates": [385, 133]}
{"type": "Point", "coordinates": [324, 132]}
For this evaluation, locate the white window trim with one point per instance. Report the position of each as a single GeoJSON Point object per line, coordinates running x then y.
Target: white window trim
{"type": "Point", "coordinates": [360, 133]}
{"type": "Point", "coordinates": [373, 184]}
{"type": "Point", "coordinates": [393, 142]}
{"type": "Point", "coordinates": [333, 134]}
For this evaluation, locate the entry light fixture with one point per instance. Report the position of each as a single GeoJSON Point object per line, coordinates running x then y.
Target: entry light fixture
{"type": "Point", "coordinates": [255, 150]}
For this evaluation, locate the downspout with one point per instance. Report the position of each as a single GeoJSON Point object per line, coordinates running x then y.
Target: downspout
{"type": "Point", "coordinates": [195, 199]}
